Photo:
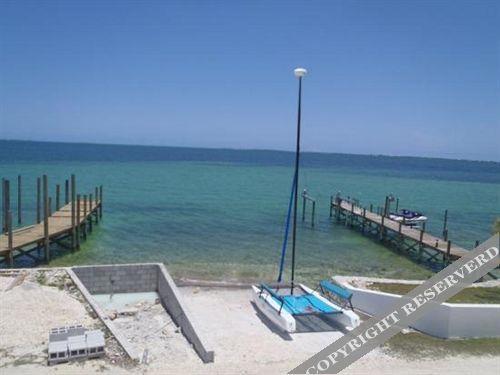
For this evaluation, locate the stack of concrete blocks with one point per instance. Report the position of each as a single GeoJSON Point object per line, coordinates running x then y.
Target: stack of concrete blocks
{"type": "Point", "coordinates": [74, 342]}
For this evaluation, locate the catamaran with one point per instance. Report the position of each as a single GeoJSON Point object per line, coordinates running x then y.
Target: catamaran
{"type": "Point", "coordinates": [284, 305]}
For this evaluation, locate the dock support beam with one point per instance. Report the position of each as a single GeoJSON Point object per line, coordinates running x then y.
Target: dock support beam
{"type": "Point", "coordinates": [313, 213]}
{"type": "Point", "coordinates": [46, 243]}
{"type": "Point", "coordinates": [73, 211]}
{"type": "Point", "coordinates": [78, 221]}
{"type": "Point", "coordinates": [58, 197]}
{"type": "Point", "coordinates": [445, 225]}
{"type": "Point", "coordinates": [85, 216]}
{"type": "Point", "coordinates": [100, 200]}
{"type": "Point", "coordinates": [90, 212]}
{"type": "Point", "coordinates": [19, 197]}
{"type": "Point", "coordinates": [5, 204]}
{"type": "Point", "coordinates": [96, 205]}
{"type": "Point", "coordinates": [66, 192]}
{"type": "Point", "coordinates": [38, 200]}
{"type": "Point", "coordinates": [9, 228]}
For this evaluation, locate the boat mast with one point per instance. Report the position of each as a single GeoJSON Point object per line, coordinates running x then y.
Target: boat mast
{"type": "Point", "coordinates": [299, 73]}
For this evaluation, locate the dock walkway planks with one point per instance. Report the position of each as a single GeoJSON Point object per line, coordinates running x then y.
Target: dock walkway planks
{"type": "Point", "coordinates": [59, 225]}
{"type": "Point", "coordinates": [427, 239]}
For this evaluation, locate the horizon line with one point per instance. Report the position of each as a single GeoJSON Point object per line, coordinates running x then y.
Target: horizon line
{"type": "Point", "coordinates": [251, 149]}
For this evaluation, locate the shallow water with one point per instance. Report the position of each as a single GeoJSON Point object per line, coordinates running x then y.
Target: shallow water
{"type": "Point", "coordinates": [223, 219]}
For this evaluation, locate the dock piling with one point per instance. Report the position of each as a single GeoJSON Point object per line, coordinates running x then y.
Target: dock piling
{"type": "Point", "coordinates": [90, 211]}
{"type": "Point", "coordinates": [10, 242]}
{"type": "Point", "coordinates": [78, 221]}
{"type": "Point", "coordinates": [73, 211]}
{"type": "Point", "coordinates": [6, 202]}
{"type": "Point", "coordinates": [2, 214]}
{"type": "Point", "coordinates": [85, 216]}
{"type": "Point", "coordinates": [96, 205]}
{"type": "Point", "coordinates": [313, 213]}
{"type": "Point", "coordinates": [58, 197]}
{"type": "Point", "coordinates": [66, 192]}
{"type": "Point", "coordinates": [19, 197]}
{"type": "Point", "coordinates": [46, 242]}
{"type": "Point", "coordinates": [445, 225]}
{"type": "Point", "coordinates": [100, 202]}
{"type": "Point", "coordinates": [38, 199]}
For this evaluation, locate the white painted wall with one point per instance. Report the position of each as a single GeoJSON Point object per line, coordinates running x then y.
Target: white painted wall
{"type": "Point", "coordinates": [449, 320]}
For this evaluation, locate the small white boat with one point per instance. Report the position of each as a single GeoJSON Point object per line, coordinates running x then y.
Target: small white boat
{"type": "Point", "coordinates": [408, 217]}
{"type": "Point", "coordinates": [283, 309]}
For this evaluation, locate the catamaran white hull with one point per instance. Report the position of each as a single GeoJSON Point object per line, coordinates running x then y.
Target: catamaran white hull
{"type": "Point", "coordinates": [285, 321]}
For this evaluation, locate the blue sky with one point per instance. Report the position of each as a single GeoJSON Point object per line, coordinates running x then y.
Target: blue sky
{"type": "Point", "coordinates": [386, 77]}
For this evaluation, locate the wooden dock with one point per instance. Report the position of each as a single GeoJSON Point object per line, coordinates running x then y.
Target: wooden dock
{"type": "Point", "coordinates": [389, 230]}
{"type": "Point", "coordinates": [66, 227]}
{"type": "Point", "coordinates": [417, 243]}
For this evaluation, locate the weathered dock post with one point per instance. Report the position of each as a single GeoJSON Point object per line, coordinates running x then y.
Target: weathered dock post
{"type": "Point", "coordinates": [38, 200]}
{"type": "Point", "coordinates": [84, 216]}
{"type": "Point", "coordinates": [58, 197]}
{"type": "Point", "coordinates": [313, 213]}
{"type": "Point", "coordinates": [364, 220]}
{"type": "Point", "coordinates": [50, 206]}
{"type": "Point", "coordinates": [371, 207]}
{"type": "Point", "coordinates": [338, 202]}
{"type": "Point", "coordinates": [2, 212]}
{"type": "Point", "coordinates": [448, 250]}
{"type": "Point", "coordinates": [303, 205]}
{"type": "Point", "coordinates": [73, 211]}
{"type": "Point", "coordinates": [66, 192]}
{"type": "Point", "coordinates": [46, 242]}
{"type": "Point", "coordinates": [382, 229]}
{"type": "Point", "coordinates": [78, 221]}
{"type": "Point", "coordinates": [19, 197]}
{"type": "Point", "coordinates": [421, 242]}
{"type": "Point", "coordinates": [90, 212]}
{"type": "Point", "coordinates": [331, 205]}
{"type": "Point", "coordinates": [6, 202]}
{"type": "Point", "coordinates": [445, 225]}
{"type": "Point", "coordinates": [96, 205]}
{"type": "Point", "coordinates": [100, 202]}
{"type": "Point", "coordinates": [352, 214]}
{"type": "Point", "coordinates": [9, 240]}
{"type": "Point", "coordinates": [397, 205]}
{"type": "Point", "coordinates": [5, 205]}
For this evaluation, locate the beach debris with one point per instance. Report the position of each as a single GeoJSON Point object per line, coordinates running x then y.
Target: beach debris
{"type": "Point", "coordinates": [18, 280]}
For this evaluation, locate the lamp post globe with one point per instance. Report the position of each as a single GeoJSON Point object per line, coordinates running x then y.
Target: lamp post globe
{"type": "Point", "coordinates": [300, 72]}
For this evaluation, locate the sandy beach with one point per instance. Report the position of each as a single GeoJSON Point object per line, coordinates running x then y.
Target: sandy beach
{"type": "Point", "coordinates": [243, 341]}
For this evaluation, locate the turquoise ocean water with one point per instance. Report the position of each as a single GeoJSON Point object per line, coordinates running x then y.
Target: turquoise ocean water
{"type": "Point", "coordinates": [219, 214]}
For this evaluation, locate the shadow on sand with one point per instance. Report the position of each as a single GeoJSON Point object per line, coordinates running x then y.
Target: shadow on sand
{"type": "Point", "coordinates": [307, 323]}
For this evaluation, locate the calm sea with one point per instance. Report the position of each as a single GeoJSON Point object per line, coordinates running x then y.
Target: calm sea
{"type": "Point", "coordinates": [219, 214]}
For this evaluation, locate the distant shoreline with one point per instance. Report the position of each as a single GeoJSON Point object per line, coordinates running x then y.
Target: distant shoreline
{"type": "Point", "coordinates": [229, 149]}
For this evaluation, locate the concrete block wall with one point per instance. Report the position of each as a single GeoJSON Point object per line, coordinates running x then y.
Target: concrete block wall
{"type": "Point", "coordinates": [172, 301]}
{"type": "Point", "coordinates": [136, 278]}
{"type": "Point", "coordinates": [127, 278]}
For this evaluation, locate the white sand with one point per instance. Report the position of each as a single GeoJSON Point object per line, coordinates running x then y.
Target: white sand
{"type": "Point", "coordinates": [243, 344]}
